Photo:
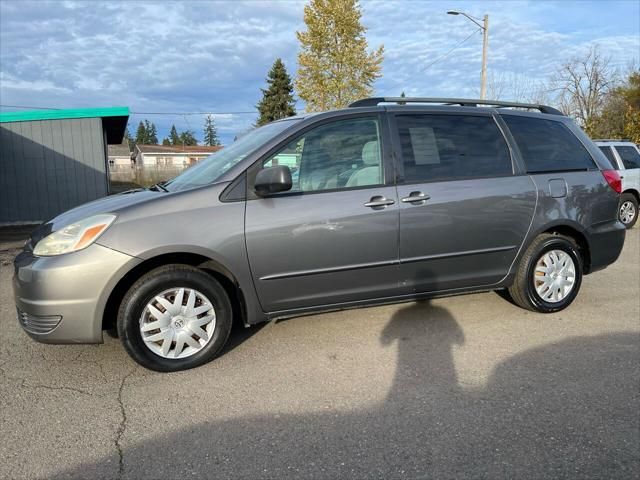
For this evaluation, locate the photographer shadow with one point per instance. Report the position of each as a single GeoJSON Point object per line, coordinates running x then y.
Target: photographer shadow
{"type": "Point", "coordinates": [546, 412]}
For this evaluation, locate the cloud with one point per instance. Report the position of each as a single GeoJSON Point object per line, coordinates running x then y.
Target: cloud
{"type": "Point", "coordinates": [214, 56]}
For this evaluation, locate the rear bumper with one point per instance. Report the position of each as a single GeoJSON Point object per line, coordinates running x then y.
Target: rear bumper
{"type": "Point", "coordinates": [605, 244]}
{"type": "Point", "coordinates": [61, 299]}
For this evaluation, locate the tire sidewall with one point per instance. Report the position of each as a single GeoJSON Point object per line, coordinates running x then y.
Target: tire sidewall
{"type": "Point", "coordinates": [145, 290]}
{"type": "Point", "coordinates": [557, 243]}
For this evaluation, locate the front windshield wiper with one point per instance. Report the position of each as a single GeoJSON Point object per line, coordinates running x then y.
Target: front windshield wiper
{"type": "Point", "coordinates": [158, 186]}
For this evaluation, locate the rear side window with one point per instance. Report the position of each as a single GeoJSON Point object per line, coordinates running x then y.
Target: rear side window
{"type": "Point", "coordinates": [609, 154]}
{"type": "Point", "coordinates": [451, 147]}
{"type": "Point", "coordinates": [629, 155]}
{"type": "Point", "coordinates": [547, 145]}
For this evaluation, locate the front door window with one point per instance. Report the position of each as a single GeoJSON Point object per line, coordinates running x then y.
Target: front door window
{"type": "Point", "coordinates": [335, 156]}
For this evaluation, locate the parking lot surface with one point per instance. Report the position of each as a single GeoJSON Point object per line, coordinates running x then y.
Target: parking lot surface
{"type": "Point", "coordinates": [462, 387]}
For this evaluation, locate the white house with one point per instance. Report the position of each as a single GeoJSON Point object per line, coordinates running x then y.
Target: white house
{"type": "Point", "coordinates": [169, 155]}
{"type": "Point", "coordinates": [119, 154]}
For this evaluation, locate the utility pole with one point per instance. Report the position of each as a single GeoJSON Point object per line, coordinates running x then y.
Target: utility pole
{"type": "Point", "coordinates": [485, 47]}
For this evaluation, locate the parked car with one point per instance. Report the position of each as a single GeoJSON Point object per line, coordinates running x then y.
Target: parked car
{"type": "Point", "coordinates": [625, 157]}
{"type": "Point", "coordinates": [392, 202]}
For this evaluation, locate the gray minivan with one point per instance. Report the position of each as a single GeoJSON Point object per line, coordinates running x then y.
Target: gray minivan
{"type": "Point", "coordinates": [386, 201]}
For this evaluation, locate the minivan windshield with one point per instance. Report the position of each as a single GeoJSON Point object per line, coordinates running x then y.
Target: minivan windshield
{"type": "Point", "coordinates": [214, 166]}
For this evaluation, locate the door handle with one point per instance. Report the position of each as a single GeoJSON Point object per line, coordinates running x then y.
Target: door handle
{"type": "Point", "coordinates": [379, 201]}
{"type": "Point", "coordinates": [415, 197]}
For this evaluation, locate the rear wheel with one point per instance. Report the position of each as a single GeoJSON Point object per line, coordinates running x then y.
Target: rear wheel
{"type": "Point", "coordinates": [174, 318]}
{"type": "Point", "coordinates": [628, 210]}
{"type": "Point", "coordinates": [549, 275]}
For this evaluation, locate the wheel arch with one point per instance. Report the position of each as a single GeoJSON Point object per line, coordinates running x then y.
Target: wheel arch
{"type": "Point", "coordinates": [211, 266]}
{"type": "Point", "coordinates": [633, 192]}
{"type": "Point", "coordinates": [566, 228]}
{"type": "Point", "coordinates": [575, 233]}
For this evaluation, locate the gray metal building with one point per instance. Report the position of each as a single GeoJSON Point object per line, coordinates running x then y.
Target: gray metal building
{"type": "Point", "coordinates": [51, 161]}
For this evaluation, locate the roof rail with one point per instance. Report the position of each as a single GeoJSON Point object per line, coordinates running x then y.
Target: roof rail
{"type": "Point", "coordinates": [465, 102]}
{"type": "Point", "coordinates": [628, 140]}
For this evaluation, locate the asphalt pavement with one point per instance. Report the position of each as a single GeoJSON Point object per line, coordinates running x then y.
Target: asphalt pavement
{"type": "Point", "coordinates": [461, 387]}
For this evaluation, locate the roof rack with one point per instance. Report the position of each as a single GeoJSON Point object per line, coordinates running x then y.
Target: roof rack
{"type": "Point", "coordinates": [628, 140]}
{"type": "Point", "coordinates": [465, 102]}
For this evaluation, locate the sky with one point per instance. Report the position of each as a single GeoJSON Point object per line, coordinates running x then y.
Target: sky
{"type": "Point", "coordinates": [177, 58]}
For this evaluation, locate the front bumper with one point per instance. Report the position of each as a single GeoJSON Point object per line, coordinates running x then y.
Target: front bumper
{"type": "Point", "coordinates": [61, 299]}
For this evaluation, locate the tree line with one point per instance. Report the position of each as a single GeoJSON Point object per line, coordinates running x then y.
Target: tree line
{"type": "Point", "coordinates": [147, 134]}
{"type": "Point", "coordinates": [336, 67]}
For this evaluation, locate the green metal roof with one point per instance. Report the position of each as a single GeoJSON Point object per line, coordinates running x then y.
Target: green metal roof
{"type": "Point", "coordinates": [34, 115]}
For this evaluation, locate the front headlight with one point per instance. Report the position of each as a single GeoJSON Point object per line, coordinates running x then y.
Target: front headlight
{"type": "Point", "coordinates": [74, 237]}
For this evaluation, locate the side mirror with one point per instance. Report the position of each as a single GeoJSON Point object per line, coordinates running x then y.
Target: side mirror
{"type": "Point", "coordinates": [272, 180]}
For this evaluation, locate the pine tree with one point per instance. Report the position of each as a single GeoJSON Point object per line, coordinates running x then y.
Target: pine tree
{"type": "Point", "coordinates": [152, 133]}
{"type": "Point", "coordinates": [174, 137]}
{"type": "Point", "coordinates": [128, 138]}
{"type": "Point", "coordinates": [166, 141]}
{"type": "Point", "coordinates": [402, 95]}
{"type": "Point", "coordinates": [277, 99]}
{"type": "Point", "coordinates": [210, 132]}
{"type": "Point", "coordinates": [334, 65]}
{"type": "Point", "coordinates": [141, 134]}
{"type": "Point", "coordinates": [187, 138]}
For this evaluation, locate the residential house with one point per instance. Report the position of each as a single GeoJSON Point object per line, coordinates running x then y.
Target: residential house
{"type": "Point", "coordinates": [170, 155]}
{"type": "Point", "coordinates": [119, 154]}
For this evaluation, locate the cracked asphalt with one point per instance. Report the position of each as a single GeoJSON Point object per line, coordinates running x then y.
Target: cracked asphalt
{"type": "Point", "coordinates": [467, 386]}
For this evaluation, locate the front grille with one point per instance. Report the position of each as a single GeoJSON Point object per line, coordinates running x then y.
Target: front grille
{"type": "Point", "coordinates": [38, 325]}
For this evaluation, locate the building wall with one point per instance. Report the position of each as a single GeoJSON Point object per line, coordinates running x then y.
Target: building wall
{"type": "Point", "coordinates": [120, 160]}
{"type": "Point", "coordinates": [171, 159]}
{"type": "Point", "coordinates": [49, 166]}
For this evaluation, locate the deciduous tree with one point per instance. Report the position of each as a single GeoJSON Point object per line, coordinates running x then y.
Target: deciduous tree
{"type": "Point", "coordinates": [582, 85]}
{"type": "Point", "coordinates": [335, 67]}
{"type": "Point", "coordinates": [620, 115]}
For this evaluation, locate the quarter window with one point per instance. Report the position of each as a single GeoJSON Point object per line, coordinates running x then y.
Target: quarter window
{"type": "Point", "coordinates": [629, 155]}
{"type": "Point", "coordinates": [450, 147]}
{"type": "Point", "coordinates": [338, 155]}
{"type": "Point", "coordinates": [547, 145]}
{"type": "Point", "coordinates": [609, 154]}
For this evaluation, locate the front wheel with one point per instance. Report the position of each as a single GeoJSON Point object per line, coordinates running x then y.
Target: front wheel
{"type": "Point", "coordinates": [174, 318]}
{"type": "Point", "coordinates": [628, 211]}
{"type": "Point", "coordinates": [549, 275]}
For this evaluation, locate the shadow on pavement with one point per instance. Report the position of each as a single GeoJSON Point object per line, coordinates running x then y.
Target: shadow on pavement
{"type": "Point", "coordinates": [556, 411]}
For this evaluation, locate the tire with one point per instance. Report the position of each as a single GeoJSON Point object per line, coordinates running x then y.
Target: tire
{"type": "Point", "coordinates": [628, 210]}
{"type": "Point", "coordinates": [524, 292]}
{"type": "Point", "coordinates": [166, 283]}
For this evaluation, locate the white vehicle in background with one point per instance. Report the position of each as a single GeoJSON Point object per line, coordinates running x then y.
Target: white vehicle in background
{"type": "Point", "coordinates": [625, 157]}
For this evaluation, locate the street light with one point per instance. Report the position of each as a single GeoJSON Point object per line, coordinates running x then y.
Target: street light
{"type": "Point", "coordinates": [485, 45]}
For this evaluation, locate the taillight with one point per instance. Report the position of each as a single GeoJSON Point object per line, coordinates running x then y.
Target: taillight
{"type": "Point", "coordinates": [613, 179]}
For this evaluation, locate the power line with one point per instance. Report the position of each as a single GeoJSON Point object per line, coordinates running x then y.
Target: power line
{"type": "Point", "coordinates": [33, 108]}
{"type": "Point", "coordinates": [445, 55]}
{"type": "Point", "coordinates": [442, 57]}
